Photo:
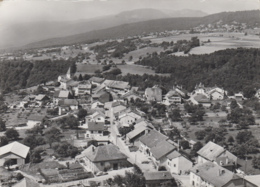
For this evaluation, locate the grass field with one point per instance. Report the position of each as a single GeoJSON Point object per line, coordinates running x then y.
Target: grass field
{"type": "Point", "coordinates": [127, 68]}
{"type": "Point", "coordinates": [219, 41]}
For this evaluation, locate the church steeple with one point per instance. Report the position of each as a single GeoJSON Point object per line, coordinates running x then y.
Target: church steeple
{"type": "Point", "coordinates": [68, 74]}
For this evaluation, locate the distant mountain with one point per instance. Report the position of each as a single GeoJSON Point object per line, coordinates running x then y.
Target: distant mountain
{"type": "Point", "coordinates": [185, 13]}
{"type": "Point", "coordinates": [28, 32]}
{"type": "Point", "coordinates": [124, 24]}
{"type": "Point", "coordinates": [159, 25]}
{"type": "Point", "coordinates": [25, 33]}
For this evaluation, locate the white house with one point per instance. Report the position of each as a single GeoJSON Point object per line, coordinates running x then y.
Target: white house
{"type": "Point", "coordinates": [103, 158]}
{"type": "Point", "coordinates": [177, 163]}
{"type": "Point", "coordinates": [97, 116]}
{"type": "Point", "coordinates": [14, 151]}
{"type": "Point", "coordinates": [95, 129]}
{"type": "Point", "coordinates": [212, 175]}
{"type": "Point", "coordinates": [129, 118]}
{"type": "Point", "coordinates": [215, 153]}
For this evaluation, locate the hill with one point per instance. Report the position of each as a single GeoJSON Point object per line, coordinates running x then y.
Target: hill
{"type": "Point", "coordinates": [251, 18]}
{"type": "Point", "coordinates": [29, 32]}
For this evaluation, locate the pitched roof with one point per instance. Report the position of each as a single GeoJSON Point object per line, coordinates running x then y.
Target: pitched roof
{"type": "Point", "coordinates": [26, 182]}
{"type": "Point", "coordinates": [16, 148]}
{"type": "Point", "coordinates": [68, 102]}
{"type": "Point", "coordinates": [153, 138]}
{"type": "Point", "coordinates": [40, 97]}
{"type": "Point", "coordinates": [96, 126]}
{"type": "Point", "coordinates": [117, 84]}
{"type": "Point", "coordinates": [211, 151]}
{"type": "Point", "coordinates": [136, 132]}
{"type": "Point", "coordinates": [158, 175]}
{"type": "Point", "coordinates": [173, 155]}
{"type": "Point", "coordinates": [162, 149]}
{"type": "Point", "coordinates": [96, 79]}
{"type": "Point", "coordinates": [33, 117]}
{"type": "Point", "coordinates": [202, 98]}
{"type": "Point", "coordinates": [104, 153]}
{"type": "Point", "coordinates": [62, 94]}
{"type": "Point", "coordinates": [213, 174]}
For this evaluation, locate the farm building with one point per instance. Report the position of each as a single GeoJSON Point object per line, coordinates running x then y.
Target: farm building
{"type": "Point", "coordinates": [14, 151]}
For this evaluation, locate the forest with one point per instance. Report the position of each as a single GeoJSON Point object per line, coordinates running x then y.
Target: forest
{"type": "Point", "coordinates": [233, 69]}
{"type": "Point", "coordinates": [21, 74]}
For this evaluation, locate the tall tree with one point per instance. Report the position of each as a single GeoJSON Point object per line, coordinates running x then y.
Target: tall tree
{"type": "Point", "coordinates": [12, 134]}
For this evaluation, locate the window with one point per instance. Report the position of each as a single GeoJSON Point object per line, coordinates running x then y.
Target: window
{"type": "Point", "coordinates": [99, 132]}
{"type": "Point", "coordinates": [174, 165]}
{"type": "Point", "coordinates": [99, 118]}
{"type": "Point", "coordinates": [92, 131]}
{"type": "Point", "coordinates": [102, 163]}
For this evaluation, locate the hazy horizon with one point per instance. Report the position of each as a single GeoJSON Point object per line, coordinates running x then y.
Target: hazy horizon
{"type": "Point", "coordinates": [14, 14]}
{"type": "Point", "coordinates": [19, 11]}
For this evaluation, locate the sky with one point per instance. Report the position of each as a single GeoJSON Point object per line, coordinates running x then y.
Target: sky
{"type": "Point", "coordinates": [19, 11]}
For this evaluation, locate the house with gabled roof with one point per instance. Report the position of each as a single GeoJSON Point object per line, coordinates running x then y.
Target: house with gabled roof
{"type": "Point", "coordinates": [60, 95]}
{"type": "Point", "coordinates": [172, 97]}
{"type": "Point", "coordinates": [97, 116]}
{"type": "Point", "coordinates": [14, 151]}
{"type": "Point", "coordinates": [178, 163]}
{"type": "Point", "coordinates": [119, 87]}
{"type": "Point", "coordinates": [83, 88]}
{"type": "Point", "coordinates": [128, 118]}
{"type": "Point", "coordinates": [67, 105]}
{"type": "Point", "coordinates": [157, 146]}
{"type": "Point", "coordinates": [210, 174]}
{"type": "Point", "coordinates": [131, 96]}
{"type": "Point", "coordinates": [200, 99]}
{"type": "Point", "coordinates": [103, 158]}
{"type": "Point", "coordinates": [217, 154]}
{"type": "Point", "coordinates": [95, 129]}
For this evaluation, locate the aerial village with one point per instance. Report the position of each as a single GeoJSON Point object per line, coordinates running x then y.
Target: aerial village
{"type": "Point", "coordinates": [99, 132]}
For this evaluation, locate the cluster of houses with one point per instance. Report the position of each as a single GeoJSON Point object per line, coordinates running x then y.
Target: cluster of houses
{"type": "Point", "coordinates": [107, 102]}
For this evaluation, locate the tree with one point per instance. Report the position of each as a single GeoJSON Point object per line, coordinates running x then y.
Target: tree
{"type": "Point", "coordinates": [184, 144]}
{"type": "Point", "coordinates": [35, 130]}
{"type": "Point", "coordinates": [3, 141]}
{"type": "Point", "coordinates": [243, 136]}
{"type": "Point", "coordinates": [52, 135]}
{"type": "Point", "coordinates": [69, 122]}
{"type": "Point", "coordinates": [196, 147]}
{"type": "Point", "coordinates": [200, 135]}
{"type": "Point", "coordinates": [92, 142]}
{"type": "Point", "coordinates": [12, 134]}
{"type": "Point", "coordinates": [35, 156]}
{"type": "Point", "coordinates": [124, 130]}
{"type": "Point", "coordinates": [2, 125]}
{"type": "Point", "coordinates": [19, 176]}
{"type": "Point", "coordinates": [73, 68]}
{"type": "Point", "coordinates": [249, 91]}
{"type": "Point", "coordinates": [33, 141]}
{"type": "Point", "coordinates": [230, 139]}
{"type": "Point", "coordinates": [80, 78]}
{"type": "Point", "coordinates": [82, 113]}
{"type": "Point", "coordinates": [233, 104]}
{"type": "Point", "coordinates": [175, 115]}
